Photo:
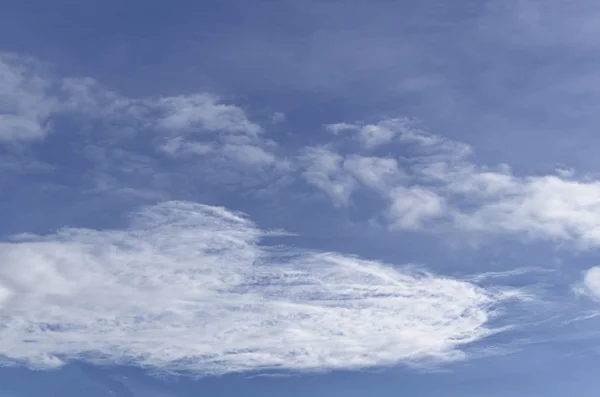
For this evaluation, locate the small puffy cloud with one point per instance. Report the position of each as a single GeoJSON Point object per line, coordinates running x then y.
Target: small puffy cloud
{"type": "Point", "coordinates": [412, 207]}
{"type": "Point", "coordinates": [589, 285]}
{"type": "Point", "coordinates": [189, 287]}
{"type": "Point", "coordinates": [397, 130]}
{"type": "Point", "coordinates": [202, 112]}
{"type": "Point", "coordinates": [374, 172]}
{"type": "Point", "coordinates": [372, 135]}
{"type": "Point", "coordinates": [340, 176]}
{"type": "Point", "coordinates": [340, 127]}
{"type": "Point", "coordinates": [324, 169]}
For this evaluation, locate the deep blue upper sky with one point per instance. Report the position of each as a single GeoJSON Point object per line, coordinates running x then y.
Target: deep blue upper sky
{"type": "Point", "coordinates": [304, 198]}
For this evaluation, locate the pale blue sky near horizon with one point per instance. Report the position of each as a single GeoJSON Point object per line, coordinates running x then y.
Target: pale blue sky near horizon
{"type": "Point", "coordinates": [304, 198]}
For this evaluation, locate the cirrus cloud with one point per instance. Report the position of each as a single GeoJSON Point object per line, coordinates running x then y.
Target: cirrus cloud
{"type": "Point", "coordinates": [189, 287]}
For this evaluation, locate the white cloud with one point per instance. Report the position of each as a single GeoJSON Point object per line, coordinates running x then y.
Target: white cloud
{"type": "Point", "coordinates": [436, 185]}
{"type": "Point", "coordinates": [372, 135]}
{"type": "Point", "coordinates": [412, 207]}
{"type": "Point", "coordinates": [324, 170]}
{"type": "Point", "coordinates": [202, 112]}
{"type": "Point", "coordinates": [397, 130]}
{"type": "Point", "coordinates": [589, 285]}
{"type": "Point", "coordinates": [188, 287]}
{"type": "Point", "coordinates": [339, 176]}
{"type": "Point", "coordinates": [340, 127]}
{"type": "Point", "coordinates": [197, 113]}
{"type": "Point", "coordinates": [374, 172]}
{"type": "Point", "coordinates": [25, 103]}
{"type": "Point", "coordinates": [433, 178]}
{"type": "Point", "coordinates": [546, 206]}
{"type": "Point", "coordinates": [198, 124]}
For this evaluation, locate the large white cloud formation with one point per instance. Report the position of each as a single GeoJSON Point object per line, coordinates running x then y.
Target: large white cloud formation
{"type": "Point", "coordinates": [189, 287]}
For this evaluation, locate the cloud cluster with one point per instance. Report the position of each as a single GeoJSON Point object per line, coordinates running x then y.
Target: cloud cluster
{"type": "Point", "coordinates": [425, 181]}
{"type": "Point", "coordinates": [189, 287]}
{"type": "Point", "coordinates": [433, 183]}
{"type": "Point", "coordinates": [185, 125]}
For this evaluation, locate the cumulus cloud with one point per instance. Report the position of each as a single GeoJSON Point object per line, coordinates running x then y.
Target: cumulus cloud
{"type": "Point", "coordinates": [189, 287]}
{"type": "Point", "coordinates": [434, 183]}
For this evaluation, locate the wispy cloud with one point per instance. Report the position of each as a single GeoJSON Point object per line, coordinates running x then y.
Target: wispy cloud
{"type": "Point", "coordinates": [25, 102]}
{"type": "Point", "coordinates": [127, 146]}
{"type": "Point", "coordinates": [186, 125]}
{"type": "Point", "coordinates": [189, 287]}
{"type": "Point", "coordinates": [426, 181]}
{"type": "Point", "coordinates": [508, 273]}
{"type": "Point", "coordinates": [179, 124]}
{"type": "Point", "coordinates": [203, 112]}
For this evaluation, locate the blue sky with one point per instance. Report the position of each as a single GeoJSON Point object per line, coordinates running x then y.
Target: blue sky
{"type": "Point", "coordinates": [303, 198]}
